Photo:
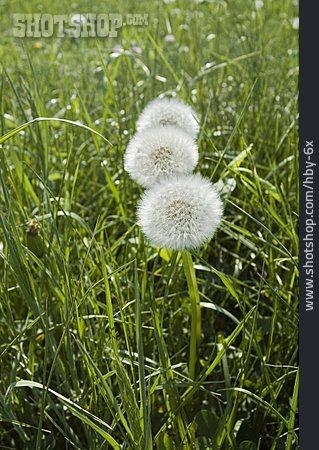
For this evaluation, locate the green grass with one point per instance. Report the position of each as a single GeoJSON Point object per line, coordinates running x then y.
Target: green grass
{"type": "Point", "coordinates": [94, 335]}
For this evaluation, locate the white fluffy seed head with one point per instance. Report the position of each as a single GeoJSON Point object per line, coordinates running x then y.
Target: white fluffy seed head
{"type": "Point", "coordinates": [180, 212]}
{"type": "Point", "coordinates": [163, 111]}
{"type": "Point", "coordinates": [158, 152]}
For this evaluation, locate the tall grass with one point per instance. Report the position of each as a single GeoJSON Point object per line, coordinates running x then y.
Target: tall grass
{"type": "Point", "coordinates": [94, 335]}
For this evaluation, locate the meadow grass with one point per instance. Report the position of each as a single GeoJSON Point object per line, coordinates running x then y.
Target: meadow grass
{"type": "Point", "coordinates": [94, 334]}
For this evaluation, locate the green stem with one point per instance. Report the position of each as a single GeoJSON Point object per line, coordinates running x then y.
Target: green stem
{"type": "Point", "coordinates": [195, 311]}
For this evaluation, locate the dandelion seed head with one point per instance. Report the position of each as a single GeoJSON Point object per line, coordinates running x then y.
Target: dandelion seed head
{"type": "Point", "coordinates": [158, 152]}
{"type": "Point", "coordinates": [163, 111]}
{"type": "Point", "coordinates": [180, 212]}
{"type": "Point", "coordinates": [295, 23]}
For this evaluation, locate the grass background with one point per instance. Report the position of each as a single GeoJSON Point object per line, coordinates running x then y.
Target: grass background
{"type": "Point", "coordinates": [94, 335]}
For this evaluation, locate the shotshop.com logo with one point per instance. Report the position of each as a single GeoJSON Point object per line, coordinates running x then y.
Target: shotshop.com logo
{"type": "Point", "coordinates": [74, 25]}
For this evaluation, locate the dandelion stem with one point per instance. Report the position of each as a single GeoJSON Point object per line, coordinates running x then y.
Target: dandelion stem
{"type": "Point", "coordinates": [195, 311]}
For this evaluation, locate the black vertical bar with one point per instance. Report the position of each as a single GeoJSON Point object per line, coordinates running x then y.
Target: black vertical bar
{"type": "Point", "coordinates": [308, 224]}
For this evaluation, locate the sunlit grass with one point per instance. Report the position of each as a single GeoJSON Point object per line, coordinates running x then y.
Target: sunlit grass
{"type": "Point", "coordinates": [94, 335]}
